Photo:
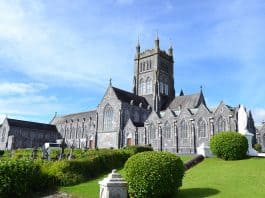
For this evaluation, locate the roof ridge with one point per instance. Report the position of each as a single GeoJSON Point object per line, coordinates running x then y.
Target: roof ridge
{"type": "Point", "coordinates": [12, 119]}
{"type": "Point", "coordinates": [72, 114]}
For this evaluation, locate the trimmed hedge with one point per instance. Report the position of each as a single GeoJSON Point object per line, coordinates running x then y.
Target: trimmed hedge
{"type": "Point", "coordinates": [20, 178]}
{"type": "Point", "coordinates": [132, 150]}
{"type": "Point", "coordinates": [154, 174]}
{"type": "Point", "coordinates": [229, 145]}
{"type": "Point", "coordinates": [75, 171]}
{"type": "Point", "coordinates": [89, 164]}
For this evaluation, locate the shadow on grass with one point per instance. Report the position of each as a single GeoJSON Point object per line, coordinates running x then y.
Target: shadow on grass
{"type": "Point", "coordinates": [198, 192]}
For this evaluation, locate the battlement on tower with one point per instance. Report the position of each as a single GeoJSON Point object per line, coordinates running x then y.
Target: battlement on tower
{"type": "Point", "coordinates": [150, 52]}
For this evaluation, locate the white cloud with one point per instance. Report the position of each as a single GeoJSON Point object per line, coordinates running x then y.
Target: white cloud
{"type": "Point", "coordinates": [14, 88]}
{"type": "Point", "coordinates": [45, 50]}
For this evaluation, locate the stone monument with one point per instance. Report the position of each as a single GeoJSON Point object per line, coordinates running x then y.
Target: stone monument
{"type": "Point", "coordinates": [204, 150]}
{"type": "Point", "coordinates": [113, 186]}
{"type": "Point", "coordinates": [242, 129]}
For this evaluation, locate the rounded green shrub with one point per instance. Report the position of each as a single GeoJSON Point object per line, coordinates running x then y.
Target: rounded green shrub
{"type": "Point", "coordinates": [154, 174]}
{"type": "Point", "coordinates": [229, 145]}
{"type": "Point", "coordinates": [257, 147]}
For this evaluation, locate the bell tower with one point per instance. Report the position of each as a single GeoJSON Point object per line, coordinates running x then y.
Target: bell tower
{"type": "Point", "coordinates": [154, 75]}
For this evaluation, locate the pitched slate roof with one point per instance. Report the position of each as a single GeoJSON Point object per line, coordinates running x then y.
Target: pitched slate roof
{"type": "Point", "coordinates": [31, 125]}
{"type": "Point", "coordinates": [74, 117]}
{"type": "Point", "coordinates": [127, 97]}
{"type": "Point", "coordinates": [186, 101]}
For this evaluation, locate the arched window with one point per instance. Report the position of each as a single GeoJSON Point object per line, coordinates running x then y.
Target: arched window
{"type": "Point", "coordinates": [142, 87]}
{"type": "Point", "coordinates": [3, 135]}
{"type": "Point", "coordinates": [150, 64]}
{"type": "Point", "coordinates": [183, 129]}
{"type": "Point", "coordinates": [201, 128]}
{"type": "Point", "coordinates": [141, 67]}
{"type": "Point", "coordinates": [161, 87]}
{"type": "Point", "coordinates": [221, 125]}
{"type": "Point", "coordinates": [152, 131]}
{"type": "Point", "coordinates": [148, 86]}
{"type": "Point", "coordinates": [108, 118]}
{"type": "Point", "coordinates": [167, 130]}
{"type": "Point", "coordinates": [166, 89]}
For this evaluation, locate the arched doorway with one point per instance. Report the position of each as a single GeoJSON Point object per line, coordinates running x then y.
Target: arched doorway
{"type": "Point", "coordinates": [91, 142]}
{"type": "Point", "coordinates": [129, 139]}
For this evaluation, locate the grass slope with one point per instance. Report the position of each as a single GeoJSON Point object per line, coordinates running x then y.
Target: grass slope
{"type": "Point", "coordinates": [211, 178]}
{"type": "Point", "coordinates": [218, 178]}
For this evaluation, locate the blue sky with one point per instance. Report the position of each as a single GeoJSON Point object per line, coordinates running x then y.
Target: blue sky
{"type": "Point", "coordinates": [58, 55]}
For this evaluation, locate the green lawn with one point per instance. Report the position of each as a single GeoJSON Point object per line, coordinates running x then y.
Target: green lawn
{"type": "Point", "coordinates": [211, 178]}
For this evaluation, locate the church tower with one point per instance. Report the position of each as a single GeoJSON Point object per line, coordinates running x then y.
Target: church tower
{"type": "Point", "coordinates": [154, 75]}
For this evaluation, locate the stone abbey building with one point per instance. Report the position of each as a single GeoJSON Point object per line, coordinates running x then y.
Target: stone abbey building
{"type": "Point", "coordinates": [151, 114]}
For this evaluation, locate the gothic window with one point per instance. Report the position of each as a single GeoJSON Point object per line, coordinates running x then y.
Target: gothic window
{"type": "Point", "coordinates": [183, 129]}
{"type": "Point", "coordinates": [141, 67]}
{"type": "Point", "coordinates": [166, 89]}
{"type": "Point", "coordinates": [108, 118]}
{"type": "Point", "coordinates": [148, 86]}
{"type": "Point", "coordinates": [161, 87]}
{"type": "Point", "coordinates": [150, 64]}
{"type": "Point", "coordinates": [147, 65]}
{"type": "Point", "coordinates": [3, 135]}
{"type": "Point", "coordinates": [221, 125]}
{"type": "Point", "coordinates": [201, 128]}
{"type": "Point", "coordinates": [142, 138]}
{"type": "Point", "coordinates": [152, 131]}
{"type": "Point", "coordinates": [167, 130]}
{"type": "Point", "coordinates": [142, 87]}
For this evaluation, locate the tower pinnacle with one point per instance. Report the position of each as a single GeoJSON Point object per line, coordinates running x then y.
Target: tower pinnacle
{"type": "Point", "coordinates": [157, 41]}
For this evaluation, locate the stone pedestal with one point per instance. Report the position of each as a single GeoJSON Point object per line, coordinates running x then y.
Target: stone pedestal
{"type": "Point", "coordinates": [204, 150]}
{"type": "Point", "coordinates": [251, 151]}
{"type": "Point", "coordinates": [114, 186]}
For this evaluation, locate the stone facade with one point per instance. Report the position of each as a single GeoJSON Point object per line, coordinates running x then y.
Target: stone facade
{"type": "Point", "coordinates": [23, 134]}
{"type": "Point", "coordinates": [152, 114]}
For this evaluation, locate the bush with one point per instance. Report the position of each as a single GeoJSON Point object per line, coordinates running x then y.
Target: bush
{"type": "Point", "coordinates": [132, 150]}
{"type": "Point", "coordinates": [154, 174]}
{"type": "Point", "coordinates": [229, 145]}
{"type": "Point", "coordinates": [20, 178]}
{"type": "Point", "coordinates": [257, 147]}
{"type": "Point", "coordinates": [26, 153]}
{"type": "Point", "coordinates": [1, 153]}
